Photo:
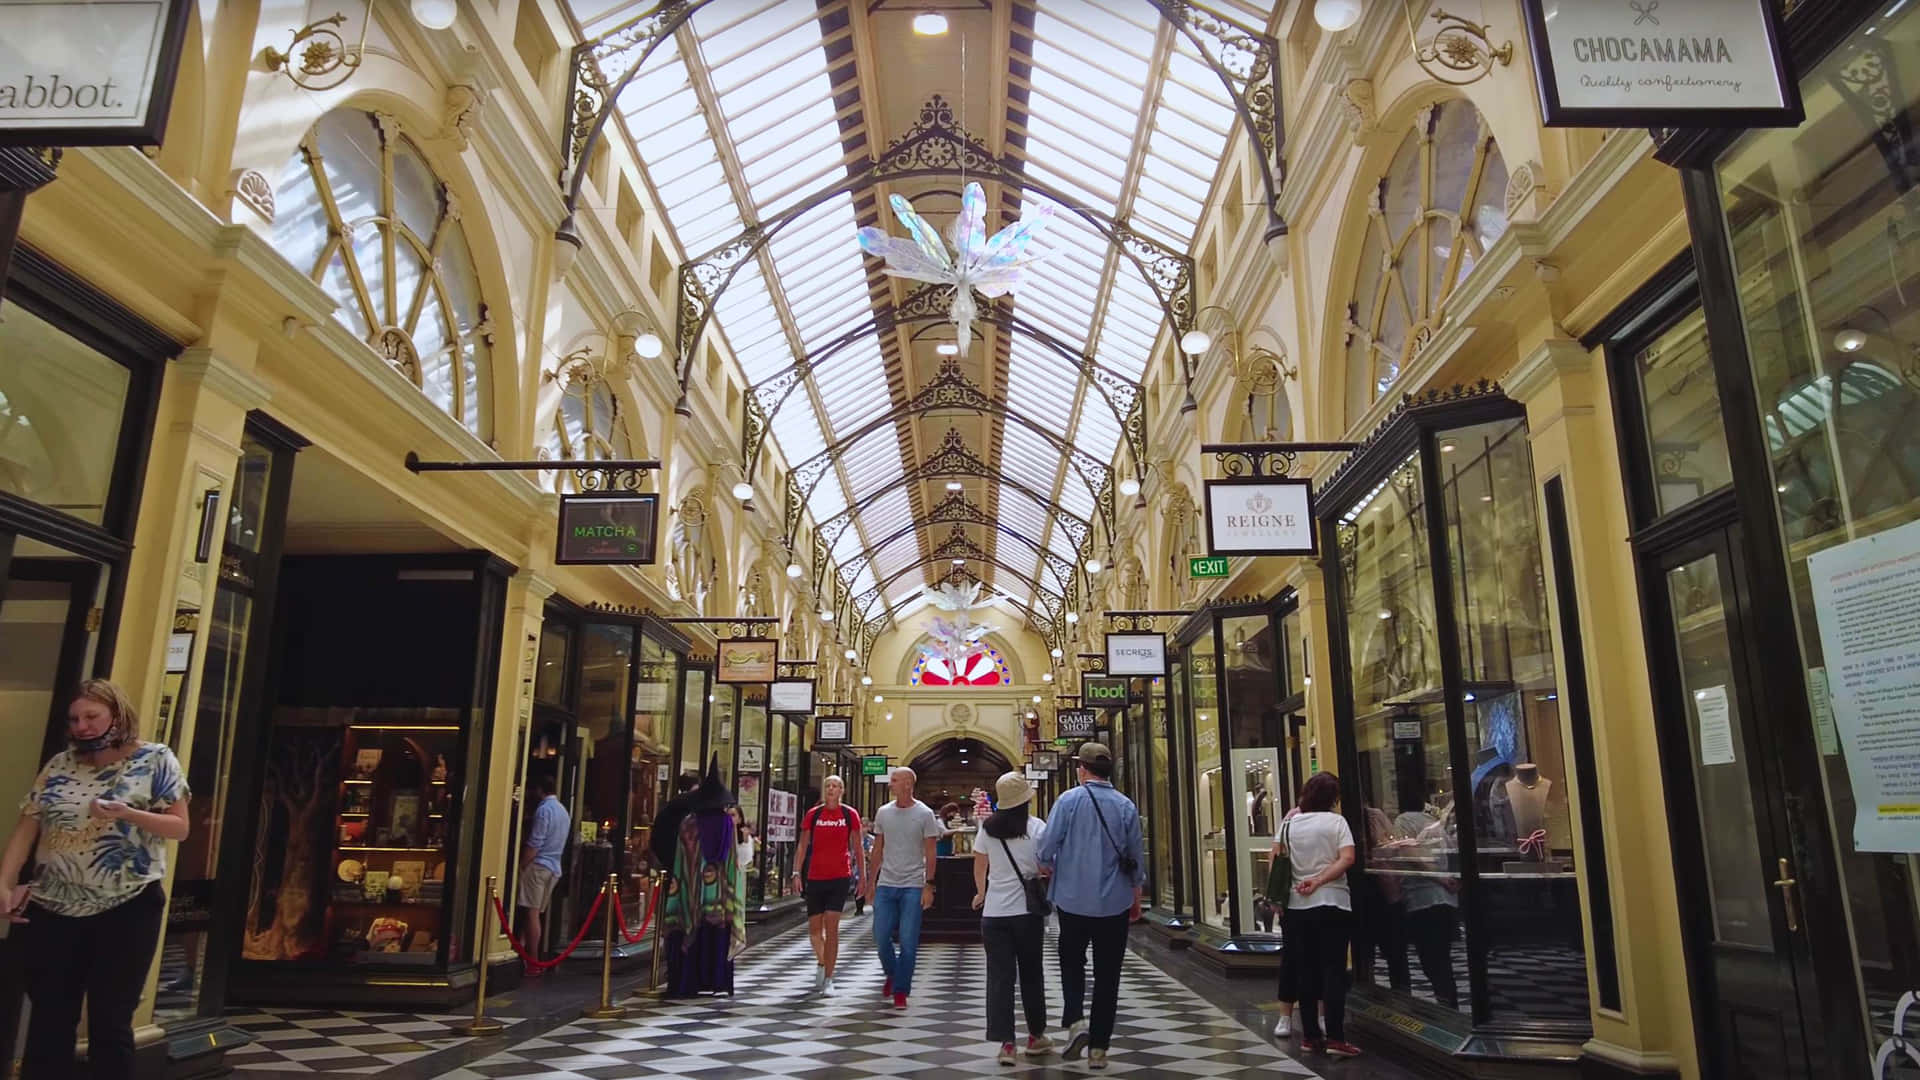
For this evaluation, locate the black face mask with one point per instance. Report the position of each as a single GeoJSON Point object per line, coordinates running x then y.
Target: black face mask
{"type": "Point", "coordinates": [106, 740]}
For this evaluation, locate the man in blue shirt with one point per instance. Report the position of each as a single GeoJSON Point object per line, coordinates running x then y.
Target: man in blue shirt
{"type": "Point", "coordinates": [1092, 853]}
{"type": "Point", "coordinates": [540, 860]}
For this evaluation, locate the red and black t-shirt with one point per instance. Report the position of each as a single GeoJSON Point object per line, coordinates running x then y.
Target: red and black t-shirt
{"type": "Point", "coordinates": [833, 833]}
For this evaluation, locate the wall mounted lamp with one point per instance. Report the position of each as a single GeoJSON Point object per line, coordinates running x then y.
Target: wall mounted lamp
{"type": "Point", "coordinates": [319, 58]}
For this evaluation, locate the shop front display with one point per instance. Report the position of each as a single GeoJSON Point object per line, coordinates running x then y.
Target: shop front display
{"type": "Point", "coordinates": [1453, 764]}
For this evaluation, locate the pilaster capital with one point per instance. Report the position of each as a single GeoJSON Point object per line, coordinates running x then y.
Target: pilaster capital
{"type": "Point", "coordinates": [538, 588]}
{"type": "Point", "coordinates": [201, 365]}
{"type": "Point", "coordinates": [1304, 576]}
{"type": "Point", "coordinates": [1552, 359]}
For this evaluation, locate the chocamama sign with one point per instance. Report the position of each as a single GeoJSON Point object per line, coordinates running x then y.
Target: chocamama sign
{"type": "Point", "coordinates": [88, 73]}
{"type": "Point", "coordinates": [1259, 516]}
{"type": "Point", "coordinates": [1661, 63]}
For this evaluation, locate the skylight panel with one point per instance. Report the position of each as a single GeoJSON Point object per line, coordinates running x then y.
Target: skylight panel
{"type": "Point", "coordinates": [1035, 386]}
{"type": "Point", "coordinates": [828, 500]}
{"type": "Point", "coordinates": [1074, 495]}
{"type": "Point", "coordinates": [872, 463]}
{"type": "Point", "coordinates": [1099, 431]}
{"type": "Point", "coordinates": [1024, 454]}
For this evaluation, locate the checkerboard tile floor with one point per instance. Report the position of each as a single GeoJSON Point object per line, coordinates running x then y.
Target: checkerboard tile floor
{"type": "Point", "coordinates": [321, 1040]}
{"type": "Point", "coordinates": [777, 1026]}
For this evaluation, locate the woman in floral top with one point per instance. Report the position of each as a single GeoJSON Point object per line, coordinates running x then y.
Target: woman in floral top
{"type": "Point", "coordinates": [101, 812]}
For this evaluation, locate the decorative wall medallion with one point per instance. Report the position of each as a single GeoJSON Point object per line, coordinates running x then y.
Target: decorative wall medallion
{"type": "Point", "coordinates": [960, 715]}
{"type": "Point", "coordinates": [397, 348]}
{"type": "Point", "coordinates": [1357, 96]}
{"type": "Point", "coordinates": [461, 112]}
{"type": "Point", "coordinates": [254, 189]}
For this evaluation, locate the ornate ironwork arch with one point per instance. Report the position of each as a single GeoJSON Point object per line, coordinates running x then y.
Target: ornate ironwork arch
{"type": "Point", "coordinates": [956, 508]}
{"type": "Point", "coordinates": [1049, 602]}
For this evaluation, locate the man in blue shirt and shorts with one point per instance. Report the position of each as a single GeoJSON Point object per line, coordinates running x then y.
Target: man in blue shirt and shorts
{"type": "Point", "coordinates": [540, 861]}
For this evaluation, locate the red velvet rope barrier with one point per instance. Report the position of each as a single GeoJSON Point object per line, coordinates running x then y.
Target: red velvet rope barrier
{"type": "Point", "coordinates": [532, 964]}
{"type": "Point", "coordinates": [620, 918]}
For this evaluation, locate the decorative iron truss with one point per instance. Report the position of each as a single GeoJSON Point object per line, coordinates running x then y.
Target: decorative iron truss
{"type": "Point", "coordinates": [1043, 620]}
{"type": "Point", "coordinates": [795, 669]}
{"type": "Point", "coordinates": [926, 304]}
{"type": "Point", "coordinates": [1267, 459]}
{"type": "Point", "coordinates": [1120, 622]}
{"type": "Point", "coordinates": [742, 628]}
{"type": "Point", "coordinates": [956, 507]}
{"type": "Point", "coordinates": [958, 545]}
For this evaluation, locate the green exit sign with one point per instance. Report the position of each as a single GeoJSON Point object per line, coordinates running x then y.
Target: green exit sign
{"type": "Point", "coordinates": [873, 765]}
{"type": "Point", "coordinates": [1207, 566]}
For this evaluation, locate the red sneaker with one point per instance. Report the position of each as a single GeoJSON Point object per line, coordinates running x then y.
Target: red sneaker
{"type": "Point", "coordinates": [1313, 1046]}
{"type": "Point", "coordinates": [886, 988]}
{"type": "Point", "coordinates": [899, 1001]}
{"type": "Point", "coordinates": [1341, 1049]}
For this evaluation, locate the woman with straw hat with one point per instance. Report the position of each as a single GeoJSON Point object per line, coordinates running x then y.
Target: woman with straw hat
{"type": "Point", "coordinates": [1011, 899]}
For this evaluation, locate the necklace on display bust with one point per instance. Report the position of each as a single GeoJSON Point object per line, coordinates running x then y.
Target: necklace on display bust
{"type": "Point", "coordinates": [1527, 774]}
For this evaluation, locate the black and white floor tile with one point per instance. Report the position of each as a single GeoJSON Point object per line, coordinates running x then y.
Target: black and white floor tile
{"type": "Point", "coordinates": [777, 1026]}
{"type": "Point", "coordinates": [322, 1040]}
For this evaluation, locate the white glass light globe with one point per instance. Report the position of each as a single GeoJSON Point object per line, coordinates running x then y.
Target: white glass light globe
{"type": "Point", "coordinates": [947, 348]}
{"type": "Point", "coordinates": [825, 615]}
{"type": "Point", "coordinates": [1195, 342]}
{"type": "Point", "coordinates": [1036, 699]}
{"type": "Point", "coordinates": [879, 698]}
{"type": "Point", "coordinates": [889, 716]}
{"type": "Point", "coordinates": [930, 23]}
{"type": "Point", "coordinates": [1129, 486]}
{"type": "Point", "coordinates": [849, 654]}
{"type": "Point", "coordinates": [1046, 676]}
{"type": "Point", "coordinates": [866, 680]}
{"type": "Point", "coordinates": [1336, 15]}
{"type": "Point", "coordinates": [649, 345]}
{"type": "Point", "coordinates": [1850, 340]}
{"type": "Point", "coordinates": [1072, 617]}
{"type": "Point", "coordinates": [1057, 654]}
{"type": "Point", "coordinates": [435, 14]}
{"type": "Point", "coordinates": [793, 570]}
{"type": "Point", "coordinates": [1093, 566]}
{"type": "Point", "coordinates": [743, 490]}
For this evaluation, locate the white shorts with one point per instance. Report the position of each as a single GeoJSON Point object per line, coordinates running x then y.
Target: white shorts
{"type": "Point", "coordinates": [536, 887]}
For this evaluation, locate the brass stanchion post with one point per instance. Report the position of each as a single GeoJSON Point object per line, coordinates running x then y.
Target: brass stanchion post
{"type": "Point", "coordinates": [653, 987]}
{"type": "Point", "coordinates": [482, 1024]}
{"type": "Point", "coordinates": [608, 1010]}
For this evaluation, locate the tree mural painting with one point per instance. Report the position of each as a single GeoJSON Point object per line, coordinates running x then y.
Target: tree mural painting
{"type": "Point", "coordinates": [296, 823]}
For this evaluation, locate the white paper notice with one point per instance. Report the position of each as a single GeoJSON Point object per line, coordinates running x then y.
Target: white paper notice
{"type": "Point", "coordinates": [1820, 698]}
{"type": "Point", "coordinates": [1716, 726]}
{"type": "Point", "coordinates": [1866, 598]}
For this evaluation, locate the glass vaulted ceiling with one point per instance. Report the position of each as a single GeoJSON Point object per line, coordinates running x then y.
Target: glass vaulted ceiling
{"type": "Point", "coordinates": [735, 120]}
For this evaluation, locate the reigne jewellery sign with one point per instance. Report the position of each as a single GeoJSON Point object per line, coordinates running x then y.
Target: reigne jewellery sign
{"type": "Point", "coordinates": [1661, 64]}
{"type": "Point", "coordinates": [1259, 516]}
{"type": "Point", "coordinates": [88, 73]}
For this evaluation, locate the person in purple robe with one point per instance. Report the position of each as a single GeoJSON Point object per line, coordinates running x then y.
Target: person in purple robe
{"type": "Point", "coordinates": [705, 915]}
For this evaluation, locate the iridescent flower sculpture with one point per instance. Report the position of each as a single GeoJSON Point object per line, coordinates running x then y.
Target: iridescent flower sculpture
{"type": "Point", "coordinates": [992, 266]}
{"type": "Point", "coordinates": [954, 644]}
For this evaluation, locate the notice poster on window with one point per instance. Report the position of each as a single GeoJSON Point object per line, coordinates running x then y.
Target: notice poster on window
{"type": "Point", "coordinates": [783, 815]}
{"type": "Point", "coordinates": [1866, 598]}
{"type": "Point", "coordinates": [1716, 726]}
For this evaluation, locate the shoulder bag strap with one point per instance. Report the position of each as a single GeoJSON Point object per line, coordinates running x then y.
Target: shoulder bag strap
{"type": "Point", "coordinates": [1103, 823]}
{"type": "Point", "coordinates": [1014, 861]}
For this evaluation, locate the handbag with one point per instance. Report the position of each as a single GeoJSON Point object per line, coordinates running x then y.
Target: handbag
{"type": "Point", "coordinates": [1128, 864]}
{"type": "Point", "coordinates": [1280, 874]}
{"type": "Point", "coordinates": [1037, 902]}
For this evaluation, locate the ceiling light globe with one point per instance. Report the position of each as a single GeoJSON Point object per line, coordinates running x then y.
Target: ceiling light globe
{"type": "Point", "coordinates": [1129, 486]}
{"type": "Point", "coordinates": [743, 491]}
{"type": "Point", "coordinates": [825, 615]}
{"type": "Point", "coordinates": [1046, 676]}
{"type": "Point", "coordinates": [1072, 617]}
{"type": "Point", "coordinates": [793, 570]}
{"type": "Point", "coordinates": [930, 24]}
{"type": "Point", "coordinates": [1036, 699]}
{"type": "Point", "coordinates": [849, 654]}
{"type": "Point", "coordinates": [435, 14]}
{"type": "Point", "coordinates": [889, 716]}
{"type": "Point", "coordinates": [866, 680]}
{"type": "Point", "coordinates": [955, 485]}
{"type": "Point", "coordinates": [1850, 340]}
{"type": "Point", "coordinates": [947, 348]}
{"type": "Point", "coordinates": [649, 345]}
{"type": "Point", "coordinates": [1057, 654]}
{"type": "Point", "coordinates": [1093, 566]}
{"type": "Point", "coordinates": [1195, 342]}
{"type": "Point", "coordinates": [1336, 15]}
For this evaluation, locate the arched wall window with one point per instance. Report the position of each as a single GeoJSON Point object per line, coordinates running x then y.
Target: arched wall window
{"type": "Point", "coordinates": [1429, 220]}
{"type": "Point", "coordinates": [364, 215]}
{"type": "Point", "coordinates": [586, 425]}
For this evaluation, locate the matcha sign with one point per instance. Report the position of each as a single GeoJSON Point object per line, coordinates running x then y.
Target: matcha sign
{"type": "Point", "coordinates": [616, 530]}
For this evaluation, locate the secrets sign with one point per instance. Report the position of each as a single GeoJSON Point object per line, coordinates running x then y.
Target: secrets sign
{"type": "Point", "coordinates": [85, 73]}
{"type": "Point", "coordinates": [1649, 64]}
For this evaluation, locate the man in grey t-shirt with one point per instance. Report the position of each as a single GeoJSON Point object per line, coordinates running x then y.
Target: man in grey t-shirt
{"type": "Point", "coordinates": [899, 880]}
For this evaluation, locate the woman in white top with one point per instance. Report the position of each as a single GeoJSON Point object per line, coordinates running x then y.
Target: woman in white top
{"type": "Point", "coordinates": [1005, 856]}
{"type": "Point", "coordinates": [1319, 845]}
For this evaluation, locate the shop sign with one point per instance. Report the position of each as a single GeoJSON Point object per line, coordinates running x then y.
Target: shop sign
{"type": "Point", "coordinates": [873, 765]}
{"type": "Point", "coordinates": [1407, 730]}
{"type": "Point", "coordinates": [1259, 515]}
{"type": "Point", "coordinates": [746, 660]}
{"type": "Point", "coordinates": [792, 696]}
{"type": "Point", "coordinates": [753, 757]}
{"type": "Point", "coordinates": [84, 73]}
{"type": "Point", "coordinates": [1208, 566]}
{"type": "Point", "coordinates": [1034, 773]}
{"type": "Point", "coordinates": [783, 815]}
{"type": "Point", "coordinates": [1647, 64]}
{"type": "Point", "coordinates": [1137, 653]}
{"type": "Point", "coordinates": [1047, 759]}
{"type": "Point", "coordinates": [832, 732]}
{"type": "Point", "coordinates": [1071, 724]}
{"type": "Point", "coordinates": [1103, 692]}
{"type": "Point", "coordinates": [606, 530]}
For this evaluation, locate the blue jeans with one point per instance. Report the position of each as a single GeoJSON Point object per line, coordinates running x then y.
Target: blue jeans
{"type": "Point", "coordinates": [897, 908]}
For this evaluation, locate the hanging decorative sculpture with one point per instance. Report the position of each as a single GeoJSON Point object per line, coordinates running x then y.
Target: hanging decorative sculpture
{"type": "Point", "coordinates": [955, 653]}
{"type": "Point", "coordinates": [992, 266]}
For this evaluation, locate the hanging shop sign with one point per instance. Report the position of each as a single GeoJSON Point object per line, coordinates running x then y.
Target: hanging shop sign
{"type": "Point", "coordinates": [833, 731]}
{"type": "Point", "coordinates": [753, 757]}
{"type": "Point", "coordinates": [1137, 653]}
{"type": "Point", "coordinates": [873, 765]}
{"type": "Point", "coordinates": [602, 530]}
{"type": "Point", "coordinates": [746, 660]}
{"type": "Point", "coordinates": [1259, 515]}
{"type": "Point", "coordinates": [1208, 566]}
{"type": "Point", "coordinates": [1647, 64]}
{"type": "Point", "coordinates": [783, 816]}
{"type": "Point", "coordinates": [84, 73]}
{"type": "Point", "coordinates": [791, 696]}
{"type": "Point", "coordinates": [1107, 693]}
{"type": "Point", "coordinates": [1035, 773]}
{"type": "Point", "coordinates": [1047, 759]}
{"type": "Point", "coordinates": [1071, 724]}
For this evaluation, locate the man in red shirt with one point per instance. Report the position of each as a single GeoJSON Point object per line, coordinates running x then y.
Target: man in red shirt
{"type": "Point", "coordinates": [828, 835]}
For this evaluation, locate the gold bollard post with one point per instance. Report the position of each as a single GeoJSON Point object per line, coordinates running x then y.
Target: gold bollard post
{"type": "Point", "coordinates": [607, 1009]}
{"type": "Point", "coordinates": [482, 1024]}
{"type": "Point", "coordinates": [653, 988]}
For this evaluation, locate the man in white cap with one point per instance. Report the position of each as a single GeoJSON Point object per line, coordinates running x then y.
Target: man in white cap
{"type": "Point", "coordinates": [1093, 850]}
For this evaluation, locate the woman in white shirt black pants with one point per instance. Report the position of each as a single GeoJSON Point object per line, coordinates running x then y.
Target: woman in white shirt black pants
{"type": "Point", "coordinates": [1319, 846]}
{"type": "Point", "coordinates": [1005, 855]}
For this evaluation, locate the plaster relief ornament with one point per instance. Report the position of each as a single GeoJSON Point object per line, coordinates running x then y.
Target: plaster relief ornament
{"type": "Point", "coordinates": [954, 653]}
{"type": "Point", "coordinates": [992, 266]}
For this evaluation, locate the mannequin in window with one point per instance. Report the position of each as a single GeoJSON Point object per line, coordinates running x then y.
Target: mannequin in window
{"type": "Point", "coordinates": [1527, 796]}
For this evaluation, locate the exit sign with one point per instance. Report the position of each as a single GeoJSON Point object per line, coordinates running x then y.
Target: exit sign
{"type": "Point", "coordinates": [873, 765]}
{"type": "Point", "coordinates": [1204, 566]}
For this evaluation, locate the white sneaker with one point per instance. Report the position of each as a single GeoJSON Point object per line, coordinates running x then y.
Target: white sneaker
{"type": "Point", "coordinates": [828, 988]}
{"type": "Point", "coordinates": [1283, 1027]}
{"type": "Point", "coordinates": [1076, 1039]}
{"type": "Point", "coordinates": [819, 978]}
{"type": "Point", "coordinates": [1096, 1059]}
{"type": "Point", "coordinates": [1038, 1046]}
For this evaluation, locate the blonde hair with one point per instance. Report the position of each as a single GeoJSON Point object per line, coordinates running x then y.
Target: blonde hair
{"type": "Point", "coordinates": [108, 693]}
{"type": "Point", "coordinates": [833, 780]}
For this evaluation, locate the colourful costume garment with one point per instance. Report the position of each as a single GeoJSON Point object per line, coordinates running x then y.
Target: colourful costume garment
{"type": "Point", "coordinates": [705, 913]}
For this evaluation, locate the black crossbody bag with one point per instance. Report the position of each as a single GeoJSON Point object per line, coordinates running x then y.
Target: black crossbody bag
{"type": "Point", "coordinates": [1037, 902]}
{"type": "Point", "coordinates": [1127, 863]}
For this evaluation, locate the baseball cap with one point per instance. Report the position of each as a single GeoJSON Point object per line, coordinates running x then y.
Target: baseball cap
{"type": "Point", "coordinates": [1093, 751]}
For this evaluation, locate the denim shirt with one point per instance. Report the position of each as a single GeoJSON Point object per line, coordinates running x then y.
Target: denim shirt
{"type": "Point", "coordinates": [1084, 862]}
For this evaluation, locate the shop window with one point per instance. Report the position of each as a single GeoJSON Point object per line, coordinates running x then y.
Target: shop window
{"type": "Point", "coordinates": [1437, 843]}
{"type": "Point", "coordinates": [61, 407]}
{"type": "Point", "coordinates": [1429, 220]}
{"type": "Point", "coordinates": [751, 790]}
{"type": "Point", "coordinates": [1250, 659]}
{"type": "Point", "coordinates": [1821, 228]}
{"type": "Point", "coordinates": [1686, 441]}
{"type": "Point", "coordinates": [1203, 671]}
{"type": "Point", "coordinates": [363, 214]}
{"type": "Point", "coordinates": [606, 681]}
